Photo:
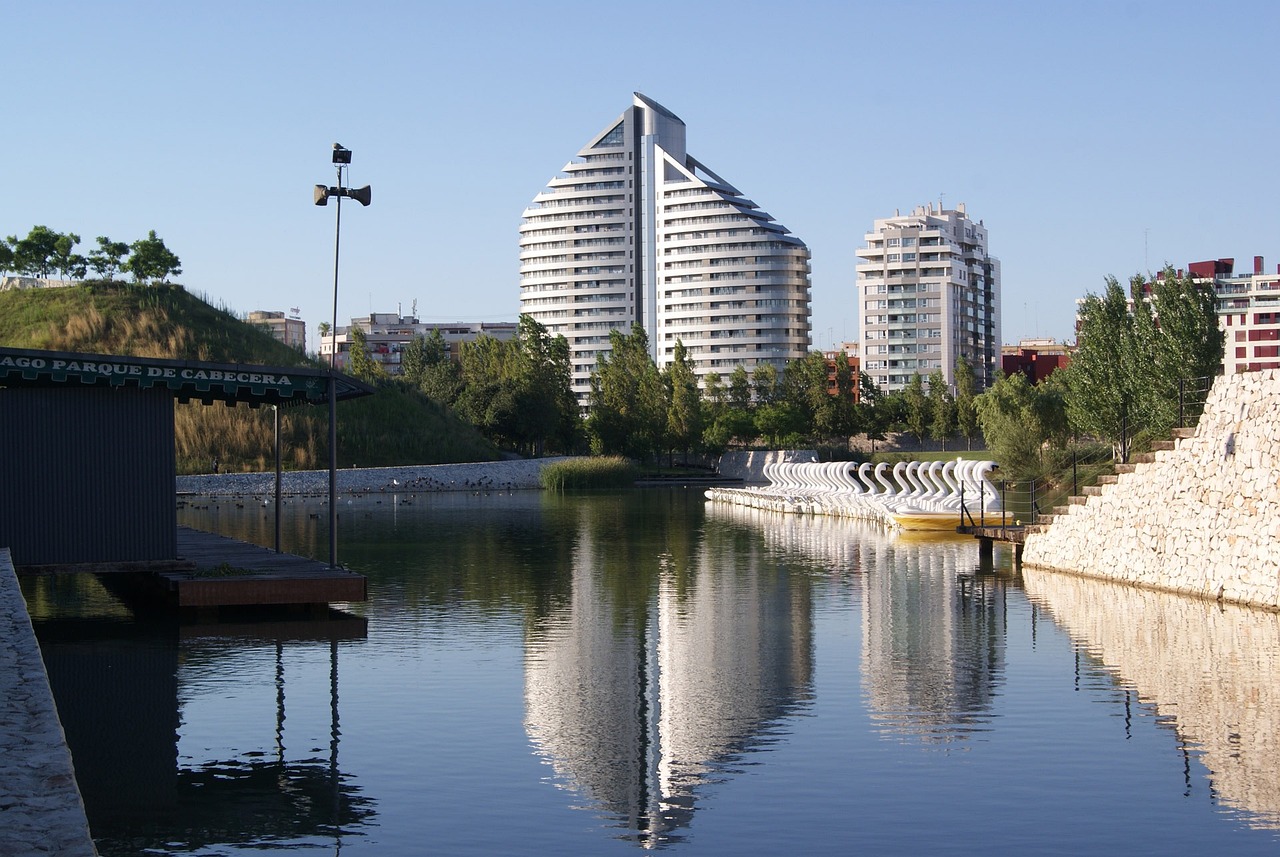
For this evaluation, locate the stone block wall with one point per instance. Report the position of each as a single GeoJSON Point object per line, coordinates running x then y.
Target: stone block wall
{"type": "Point", "coordinates": [1202, 519]}
{"type": "Point", "coordinates": [749, 465]}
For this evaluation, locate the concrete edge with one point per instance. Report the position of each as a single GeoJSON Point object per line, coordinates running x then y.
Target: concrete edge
{"type": "Point", "coordinates": [41, 809]}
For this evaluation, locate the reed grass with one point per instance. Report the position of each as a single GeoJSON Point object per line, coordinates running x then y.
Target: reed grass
{"type": "Point", "coordinates": [601, 472]}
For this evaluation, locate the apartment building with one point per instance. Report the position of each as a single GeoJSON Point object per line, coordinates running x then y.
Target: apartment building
{"type": "Point", "coordinates": [387, 333]}
{"type": "Point", "coordinates": [289, 329]}
{"type": "Point", "coordinates": [1248, 311]}
{"type": "Point", "coordinates": [929, 295]}
{"type": "Point", "coordinates": [636, 230]}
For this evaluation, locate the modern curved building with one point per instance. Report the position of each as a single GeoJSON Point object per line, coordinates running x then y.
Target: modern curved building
{"type": "Point", "coordinates": [635, 230]}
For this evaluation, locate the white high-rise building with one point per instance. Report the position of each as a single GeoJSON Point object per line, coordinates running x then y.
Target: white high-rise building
{"type": "Point", "coordinates": [636, 230]}
{"type": "Point", "coordinates": [929, 294]}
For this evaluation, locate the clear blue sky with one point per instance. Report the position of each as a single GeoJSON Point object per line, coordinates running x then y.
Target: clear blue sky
{"type": "Point", "coordinates": [1092, 138]}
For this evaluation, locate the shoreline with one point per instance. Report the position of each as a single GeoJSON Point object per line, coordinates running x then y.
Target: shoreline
{"type": "Point", "coordinates": [516, 475]}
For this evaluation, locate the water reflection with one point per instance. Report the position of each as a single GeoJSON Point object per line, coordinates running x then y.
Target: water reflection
{"type": "Point", "coordinates": [121, 683]}
{"type": "Point", "coordinates": [1210, 669]}
{"type": "Point", "coordinates": [933, 624]}
{"type": "Point", "coordinates": [672, 656]}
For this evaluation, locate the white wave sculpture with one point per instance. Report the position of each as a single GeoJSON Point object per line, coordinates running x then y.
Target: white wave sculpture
{"type": "Point", "coordinates": [910, 495]}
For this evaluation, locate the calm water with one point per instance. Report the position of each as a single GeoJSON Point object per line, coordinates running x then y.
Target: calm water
{"type": "Point", "coordinates": [541, 674]}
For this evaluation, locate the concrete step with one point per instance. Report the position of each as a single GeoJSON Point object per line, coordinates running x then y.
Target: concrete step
{"type": "Point", "coordinates": [1092, 490]}
{"type": "Point", "coordinates": [1163, 445]}
{"type": "Point", "coordinates": [1045, 519]}
{"type": "Point", "coordinates": [1108, 480]}
{"type": "Point", "coordinates": [1061, 510]}
{"type": "Point", "coordinates": [1183, 433]}
{"type": "Point", "coordinates": [1132, 467]}
{"type": "Point", "coordinates": [1142, 458]}
{"type": "Point", "coordinates": [1077, 501]}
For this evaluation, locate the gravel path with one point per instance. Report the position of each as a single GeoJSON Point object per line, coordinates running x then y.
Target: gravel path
{"type": "Point", "coordinates": [497, 475]}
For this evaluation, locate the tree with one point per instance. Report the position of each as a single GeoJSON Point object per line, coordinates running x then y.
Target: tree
{"type": "Point", "coordinates": [1134, 352]}
{"type": "Point", "coordinates": [917, 407]}
{"type": "Point", "coordinates": [628, 399]}
{"type": "Point", "coordinates": [108, 258]}
{"type": "Point", "coordinates": [942, 421]}
{"type": "Point", "coordinates": [6, 257]}
{"type": "Point", "coordinates": [764, 383]}
{"type": "Point", "coordinates": [1018, 418]}
{"type": "Point", "coordinates": [842, 413]}
{"type": "Point", "coordinates": [1100, 376]}
{"type": "Point", "coordinates": [360, 363]}
{"type": "Point", "coordinates": [1190, 344]}
{"type": "Point", "coordinates": [34, 255]}
{"type": "Point", "coordinates": [151, 260]}
{"type": "Point", "coordinates": [966, 413]}
{"type": "Point", "coordinates": [70, 265]}
{"type": "Point", "coordinates": [739, 388]}
{"type": "Point", "coordinates": [425, 363]}
{"type": "Point", "coordinates": [518, 392]}
{"type": "Point", "coordinates": [684, 410]}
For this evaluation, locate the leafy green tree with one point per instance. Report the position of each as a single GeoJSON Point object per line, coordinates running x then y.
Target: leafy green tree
{"type": "Point", "coordinates": [151, 260]}
{"type": "Point", "coordinates": [628, 413]}
{"type": "Point", "coordinates": [684, 410]}
{"type": "Point", "coordinates": [426, 364]}
{"type": "Point", "coordinates": [740, 388]}
{"type": "Point", "coordinates": [917, 407]}
{"type": "Point", "coordinates": [71, 265]}
{"type": "Point", "coordinates": [840, 417]}
{"type": "Point", "coordinates": [1190, 344]}
{"type": "Point", "coordinates": [1107, 375]}
{"type": "Point", "coordinates": [518, 392]}
{"type": "Point", "coordinates": [764, 384]}
{"type": "Point", "coordinates": [35, 254]}
{"type": "Point", "coordinates": [360, 363]}
{"type": "Point", "coordinates": [6, 257]}
{"type": "Point", "coordinates": [966, 412]}
{"type": "Point", "coordinates": [942, 419]}
{"type": "Point", "coordinates": [108, 258]}
{"type": "Point", "coordinates": [1018, 418]}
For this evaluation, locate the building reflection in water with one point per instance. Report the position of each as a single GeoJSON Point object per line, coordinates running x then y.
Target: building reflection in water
{"type": "Point", "coordinates": [117, 680]}
{"type": "Point", "coordinates": [934, 626]}
{"type": "Point", "coordinates": [1209, 670]}
{"type": "Point", "coordinates": [667, 664]}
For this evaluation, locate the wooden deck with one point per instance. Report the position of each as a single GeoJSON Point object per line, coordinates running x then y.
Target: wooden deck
{"type": "Point", "coordinates": [223, 572]}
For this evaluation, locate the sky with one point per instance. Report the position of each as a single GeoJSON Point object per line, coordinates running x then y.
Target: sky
{"type": "Point", "coordinates": [1093, 139]}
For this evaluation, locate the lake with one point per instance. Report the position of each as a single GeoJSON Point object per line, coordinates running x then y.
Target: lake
{"type": "Point", "coordinates": [600, 673]}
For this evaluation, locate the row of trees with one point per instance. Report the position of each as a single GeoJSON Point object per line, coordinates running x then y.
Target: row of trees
{"type": "Point", "coordinates": [1137, 353]}
{"type": "Point", "coordinates": [1143, 362]}
{"type": "Point", "coordinates": [519, 394]}
{"type": "Point", "coordinates": [44, 252]}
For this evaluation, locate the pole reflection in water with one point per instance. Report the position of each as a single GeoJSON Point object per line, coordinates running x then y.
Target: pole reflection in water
{"type": "Point", "coordinates": [638, 694]}
{"type": "Point", "coordinates": [1209, 669]}
{"type": "Point", "coordinates": [122, 684]}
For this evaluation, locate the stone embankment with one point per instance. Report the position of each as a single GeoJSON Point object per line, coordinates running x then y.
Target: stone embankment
{"type": "Point", "coordinates": [1202, 518]}
{"type": "Point", "coordinates": [40, 807]}
{"type": "Point", "coordinates": [475, 476]}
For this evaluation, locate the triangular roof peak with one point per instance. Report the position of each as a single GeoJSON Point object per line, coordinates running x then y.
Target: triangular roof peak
{"type": "Point", "coordinates": [642, 100]}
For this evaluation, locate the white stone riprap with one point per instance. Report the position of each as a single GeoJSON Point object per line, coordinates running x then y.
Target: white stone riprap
{"type": "Point", "coordinates": [514, 475]}
{"type": "Point", "coordinates": [41, 812]}
{"type": "Point", "coordinates": [1202, 519]}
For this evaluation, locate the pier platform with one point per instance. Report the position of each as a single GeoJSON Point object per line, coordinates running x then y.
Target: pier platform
{"type": "Point", "coordinates": [217, 571]}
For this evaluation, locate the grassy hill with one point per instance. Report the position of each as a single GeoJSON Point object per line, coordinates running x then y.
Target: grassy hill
{"type": "Point", "coordinates": [398, 425]}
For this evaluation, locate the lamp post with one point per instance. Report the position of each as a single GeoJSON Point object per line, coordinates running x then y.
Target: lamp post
{"type": "Point", "coordinates": [341, 160]}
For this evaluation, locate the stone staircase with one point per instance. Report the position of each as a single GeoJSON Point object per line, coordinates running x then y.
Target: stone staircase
{"type": "Point", "coordinates": [1136, 462]}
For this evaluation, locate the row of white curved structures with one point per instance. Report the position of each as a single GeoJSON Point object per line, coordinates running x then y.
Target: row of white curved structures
{"type": "Point", "coordinates": [908, 495]}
